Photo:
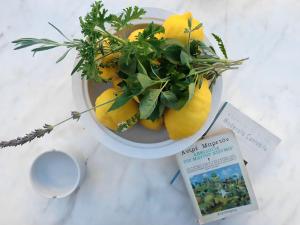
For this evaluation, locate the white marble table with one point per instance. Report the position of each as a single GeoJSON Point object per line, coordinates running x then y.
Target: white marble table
{"type": "Point", "coordinates": [120, 190]}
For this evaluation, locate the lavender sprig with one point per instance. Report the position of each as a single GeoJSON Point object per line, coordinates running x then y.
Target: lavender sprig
{"type": "Point", "coordinates": [75, 115]}
{"type": "Point", "coordinates": [38, 133]}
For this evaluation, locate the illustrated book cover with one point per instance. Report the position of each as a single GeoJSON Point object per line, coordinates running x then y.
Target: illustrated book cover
{"type": "Point", "coordinates": [216, 178]}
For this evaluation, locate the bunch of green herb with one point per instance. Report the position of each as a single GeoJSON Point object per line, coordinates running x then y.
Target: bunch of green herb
{"type": "Point", "coordinates": [162, 73]}
{"type": "Point", "coordinates": [93, 28]}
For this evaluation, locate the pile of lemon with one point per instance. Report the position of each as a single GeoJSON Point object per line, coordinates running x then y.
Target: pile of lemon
{"type": "Point", "coordinates": [179, 123]}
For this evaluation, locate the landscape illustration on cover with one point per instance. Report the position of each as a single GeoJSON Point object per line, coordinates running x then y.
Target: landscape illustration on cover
{"type": "Point", "coordinates": [220, 189]}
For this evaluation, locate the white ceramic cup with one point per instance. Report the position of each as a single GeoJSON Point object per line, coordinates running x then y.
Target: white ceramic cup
{"type": "Point", "coordinates": [57, 174]}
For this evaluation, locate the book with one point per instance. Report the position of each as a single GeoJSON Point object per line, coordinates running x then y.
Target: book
{"type": "Point", "coordinates": [216, 178]}
{"type": "Point", "coordinates": [254, 140]}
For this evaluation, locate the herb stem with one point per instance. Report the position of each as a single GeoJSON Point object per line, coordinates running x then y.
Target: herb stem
{"type": "Point", "coordinates": [107, 34]}
{"type": "Point", "coordinates": [112, 52]}
{"type": "Point", "coordinates": [164, 85]}
{"type": "Point", "coordinates": [85, 111]}
{"type": "Point", "coordinates": [38, 133]}
{"type": "Point", "coordinates": [189, 43]}
{"type": "Point", "coordinates": [97, 106]}
{"type": "Point", "coordinates": [63, 121]}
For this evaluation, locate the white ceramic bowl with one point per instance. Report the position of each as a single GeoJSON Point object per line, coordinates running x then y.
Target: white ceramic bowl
{"type": "Point", "coordinates": [57, 174]}
{"type": "Point", "coordinates": [136, 142]}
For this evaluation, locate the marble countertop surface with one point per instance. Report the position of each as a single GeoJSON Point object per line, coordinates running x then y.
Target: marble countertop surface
{"type": "Point", "coordinates": [121, 190]}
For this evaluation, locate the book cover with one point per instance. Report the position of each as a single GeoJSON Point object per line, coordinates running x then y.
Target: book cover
{"type": "Point", "coordinates": [216, 178]}
{"type": "Point", "coordinates": [253, 139]}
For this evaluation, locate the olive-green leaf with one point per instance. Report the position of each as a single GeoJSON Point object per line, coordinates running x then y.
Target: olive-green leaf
{"type": "Point", "coordinates": [171, 41]}
{"type": "Point", "coordinates": [191, 89]}
{"type": "Point", "coordinates": [220, 44]}
{"type": "Point", "coordinates": [190, 20]}
{"type": "Point", "coordinates": [141, 68]}
{"type": "Point", "coordinates": [168, 98]}
{"type": "Point", "coordinates": [180, 103]}
{"type": "Point", "coordinates": [77, 66]}
{"type": "Point", "coordinates": [185, 58]}
{"type": "Point", "coordinates": [212, 49]}
{"type": "Point", "coordinates": [157, 112]}
{"type": "Point", "coordinates": [145, 81]}
{"type": "Point", "coordinates": [148, 103]}
{"type": "Point", "coordinates": [120, 101]}
{"type": "Point", "coordinates": [197, 27]}
{"type": "Point", "coordinates": [127, 64]}
{"type": "Point", "coordinates": [172, 53]}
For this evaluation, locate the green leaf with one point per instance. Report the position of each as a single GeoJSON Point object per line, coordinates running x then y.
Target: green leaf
{"type": "Point", "coordinates": [148, 103]}
{"type": "Point", "coordinates": [190, 20]}
{"type": "Point", "coordinates": [182, 95]}
{"type": "Point", "coordinates": [178, 75]}
{"type": "Point", "coordinates": [96, 17]}
{"type": "Point", "coordinates": [77, 66]}
{"type": "Point", "coordinates": [161, 110]}
{"type": "Point", "coordinates": [145, 81]}
{"type": "Point", "coordinates": [172, 53]}
{"type": "Point", "coordinates": [158, 112]}
{"type": "Point", "coordinates": [128, 14]}
{"type": "Point", "coordinates": [199, 83]}
{"type": "Point", "coordinates": [191, 91]}
{"type": "Point", "coordinates": [128, 64]}
{"type": "Point", "coordinates": [154, 70]}
{"type": "Point", "coordinates": [27, 42]}
{"type": "Point", "coordinates": [220, 44]}
{"type": "Point", "coordinates": [120, 101]}
{"type": "Point", "coordinates": [23, 46]}
{"type": "Point", "coordinates": [43, 48]}
{"type": "Point", "coordinates": [63, 56]}
{"type": "Point", "coordinates": [201, 48]}
{"type": "Point", "coordinates": [197, 27]}
{"type": "Point", "coordinates": [150, 30]}
{"type": "Point", "coordinates": [181, 85]}
{"type": "Point", "coordinates": [168, 98]}
{"type": "Point", "coordinates": [141, 68]}
{"type": "Point", "coordinates": [185, 58]}
{"type": "Point", "coordinates": [59, 31]}
{"type": "Point", "coordinates": [133, 86]}
{"type": "Point", "coordinates": [180, 103]}
{"type": "Point", "coordinates": [171, 100]}
{"type": "Point", "coordinates": [212, 48]}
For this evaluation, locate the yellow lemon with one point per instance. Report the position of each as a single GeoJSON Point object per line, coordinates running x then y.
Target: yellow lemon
{"type": "Point", "coordinates": [108, 73]}
{"type": "Point", "coordinates": [152, 124]}
{"type": "Point", "coordinates": [110, 57]}
{"type": "Point", "coordinates": [159, 35]}
{"type": "Point", "coordinates": [134, 34]}
{"type": "Point", "coordinates": [191, 117]}
{"type": "Point", "coordinates": [115, 81]}
{"type": "Point", "coordinates": [119, 119]}
{"type": "Point", "coordinates": [175, 25]}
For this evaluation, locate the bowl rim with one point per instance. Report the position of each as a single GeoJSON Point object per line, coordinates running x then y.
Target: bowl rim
{"type": "Point", "coordinates": [52, 195]}
{"type": "Point", "coordinates": [130, 148]}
